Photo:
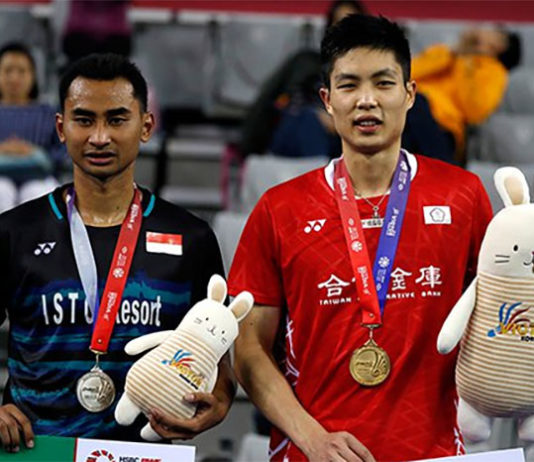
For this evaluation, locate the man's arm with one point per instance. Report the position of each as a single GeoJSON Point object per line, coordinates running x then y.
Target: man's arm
{"type": "Point", "coordinates": [13, 422]}
{"type": "Point", "coordinates": [268, 389]}
{"type": "Point", "coordinates": [212, 408]}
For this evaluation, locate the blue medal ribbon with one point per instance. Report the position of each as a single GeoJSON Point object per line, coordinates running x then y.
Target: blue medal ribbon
{"type": "Point", "coordinates": [372, 290]}
{"type": "Point", "coordinates": [390, 235]}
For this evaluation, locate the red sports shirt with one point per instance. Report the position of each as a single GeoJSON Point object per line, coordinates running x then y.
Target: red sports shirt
{"type": "Point", "coordinates": [293, 255]}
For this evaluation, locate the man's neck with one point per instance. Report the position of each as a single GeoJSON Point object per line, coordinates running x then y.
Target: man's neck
{"type": "Point", "coordinates": [371, 174]}
{"type": "Point", "coordinates": [103, 203]}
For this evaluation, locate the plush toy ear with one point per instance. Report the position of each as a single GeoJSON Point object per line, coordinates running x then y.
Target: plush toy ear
{"type": "Point", "coordinates": [511, 186]}
{"type": "Point", "coordinates": [217, 288]}
{"type": "Point", "coordinates": [241, 305]}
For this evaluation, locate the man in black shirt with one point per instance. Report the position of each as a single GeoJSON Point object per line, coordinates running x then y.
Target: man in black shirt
{"type": "Point", "coordinates": [95, 264]}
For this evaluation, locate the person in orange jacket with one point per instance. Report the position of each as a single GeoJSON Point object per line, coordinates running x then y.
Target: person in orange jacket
{"type": "Point", "coordinates": [464, 85]}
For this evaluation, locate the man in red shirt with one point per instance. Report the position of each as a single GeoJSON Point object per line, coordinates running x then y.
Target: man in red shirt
{"type": "Point", "coordinates": [360, 378]}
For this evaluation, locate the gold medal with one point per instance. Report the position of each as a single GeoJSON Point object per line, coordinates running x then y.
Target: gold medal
{"type": "Point", "coordinates": [369, 364]}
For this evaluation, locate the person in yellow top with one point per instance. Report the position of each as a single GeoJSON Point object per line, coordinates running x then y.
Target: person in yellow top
{"type": "Point", "coordinates": [465, 84]}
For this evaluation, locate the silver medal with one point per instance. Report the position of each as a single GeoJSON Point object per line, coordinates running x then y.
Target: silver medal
{"type": "Point", "coordinates": [95, 390]}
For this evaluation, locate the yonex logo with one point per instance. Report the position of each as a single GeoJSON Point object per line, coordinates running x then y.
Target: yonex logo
{"type": "Point", "coordinates": [44, 248]}
{"type": "Point", "coordinates": [314, 225]}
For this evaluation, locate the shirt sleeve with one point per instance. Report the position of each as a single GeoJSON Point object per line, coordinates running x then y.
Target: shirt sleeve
{"type": "Point", "coordinates": [209, 263]}
{"type": "Point", "coordinates": [482, 215]}
{"type": "Point", "coordinates": [256, 266]}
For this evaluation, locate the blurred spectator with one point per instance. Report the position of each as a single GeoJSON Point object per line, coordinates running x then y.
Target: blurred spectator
{"type": "Point", "coordinates": [288, 117]}
{"type": "Point", "coordinates": [423, 135]}
{"type": "Point", "coordinates": [97, 26]}
{"type": "Point", "coordinates": [465, 84]}
{"type": "Point", "coordinates": [29, 147]}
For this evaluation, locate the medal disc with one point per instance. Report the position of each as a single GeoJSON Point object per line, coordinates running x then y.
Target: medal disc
{"type": "Point", "coordinates": [370, 365]}
{"type": "Point", "coordinates": [95, 390]}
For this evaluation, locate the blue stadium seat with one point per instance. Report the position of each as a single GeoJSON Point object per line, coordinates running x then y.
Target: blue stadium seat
{"type": "Point", "coordinates": [508, 138]}
{"type": "Point", "coordinates": [246, 51]}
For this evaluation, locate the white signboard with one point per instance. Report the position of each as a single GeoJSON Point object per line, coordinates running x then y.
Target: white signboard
{"type": "Point", "coordinates": [508, 455]}
{"type": "Point", "coordinates": [119, 451]}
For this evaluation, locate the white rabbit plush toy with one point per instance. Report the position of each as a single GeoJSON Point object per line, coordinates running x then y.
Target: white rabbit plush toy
{"type": "Point", "coordinates": [185, 360]}
{"type": "Point", "coordinates": [495, 316]}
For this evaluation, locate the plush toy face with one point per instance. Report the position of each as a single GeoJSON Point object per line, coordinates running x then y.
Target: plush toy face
{"type": "Point", "coordinates": [213, 322]}
{"type": "Point", "coordinates": [508, 246]}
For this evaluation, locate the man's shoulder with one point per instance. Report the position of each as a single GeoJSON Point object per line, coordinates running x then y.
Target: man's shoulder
{"type": "Point", "coordinates": [173, 216]}
{"type": "Point", "coordinates": [439, 172]}
{"type": "Point", "coordinates": [28, 213]}
{"type": "Point", "coordinates": [300, 186]}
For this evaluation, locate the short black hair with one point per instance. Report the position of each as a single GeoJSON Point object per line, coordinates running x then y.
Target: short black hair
{"type": "Point", "coordinates": [358, 6]}
{"type": "Point", "coordinates": [17, 47]}
{"type": "Point", "coordinates": [358, 30]}
{"type": "Point", "coordinates": [511, 57]}
{"type": "Point", "coordinates": [104, 67]}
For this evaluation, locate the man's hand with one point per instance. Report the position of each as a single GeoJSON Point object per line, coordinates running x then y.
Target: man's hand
{"type": "Point", "coordinates": [338, 446]}
{"type": "Point", "coordinates": [12, 422]}
{"type": "Point", "coordinates": [210, 411]}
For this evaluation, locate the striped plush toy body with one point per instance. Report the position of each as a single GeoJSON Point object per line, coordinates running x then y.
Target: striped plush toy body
{"type": "Point", "coordinates": [184, 362]}
{"type": "Point", "coordinates": [494, 319]}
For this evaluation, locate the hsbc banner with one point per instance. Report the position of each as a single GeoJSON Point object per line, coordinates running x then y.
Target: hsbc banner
{"type": "Point", "coordinates": [508, 455]}
{"type": "Point", "coordinates": [118, 451]}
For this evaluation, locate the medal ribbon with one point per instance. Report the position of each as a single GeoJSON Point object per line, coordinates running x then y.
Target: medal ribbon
{"type": "Point", "coordinates": [372, 297]}
{"type": "Point", "coordinates": [104, 319]}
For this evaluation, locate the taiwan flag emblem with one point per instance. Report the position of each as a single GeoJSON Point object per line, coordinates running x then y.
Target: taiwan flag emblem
{"type": "Point", "coordinates": [170, 244]}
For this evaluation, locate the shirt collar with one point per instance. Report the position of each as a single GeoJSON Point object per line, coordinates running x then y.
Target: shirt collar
{"type": "Point", "coordinates": [329, 169]}
{"type": "Point", "coordinates": [57, 203]}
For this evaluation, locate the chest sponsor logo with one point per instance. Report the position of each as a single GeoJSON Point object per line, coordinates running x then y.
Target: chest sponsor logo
{"type": "Point", "coordinates": [426, 282]}
{"type": "Point", "coordinates": [44, 248]}
{"type": "Point", "coordinates": [61, 308]}
{"type": "Point", "coordinates": [514, 320]}
{"type": "Point", "coordinates": [332, 291]}
{"type": "Point", "coordinates": [170, 244]}
{"type": "Point", "coordinates": [437, 215]}
{"type": "Point", "coordinates": [314, 225]}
